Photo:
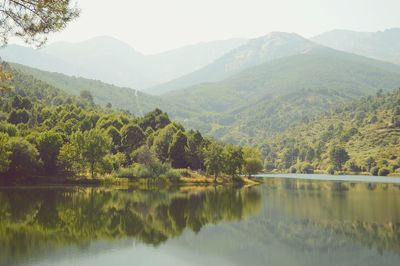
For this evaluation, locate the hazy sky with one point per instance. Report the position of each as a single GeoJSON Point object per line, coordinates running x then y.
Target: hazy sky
{"type": "Point", "coordinates": [152, 26]}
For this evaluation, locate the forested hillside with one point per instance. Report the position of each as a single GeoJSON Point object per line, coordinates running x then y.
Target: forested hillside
{"type": "Point", "coordinates": [266, 99]}
{"type": "Point", "coordinates": [363, 136]}
{"type": "Point", "coordinates": [104, 94]}
{"type": "Point", "coordinates": [46, 132]}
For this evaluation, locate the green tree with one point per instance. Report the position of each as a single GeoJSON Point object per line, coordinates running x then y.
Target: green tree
{"type": "Point", "coordinates": [370, 162]}
{"type": "Point", "coordinates": [4, 153]}
{"type": "Point", "coordinates": [18, 117]}
{"type": "Point", "coordinates": [162, 141]}
{"type": "Point", "coordinates": [132, 137]}
{"type": "Point", "coordinates": [253, 166]}
{"type": "Point", "coordinates": [68, 159]}
{"type": "Point", "coordinates": [93, 146]}
{"type": "Point", "coordinates": [234, 160]}
{"type": "Point", "coordinates": [194, 150]}
{"type": "Point", "coordinates": [177, 150]}
{"type": "Point", "coordinates": [338, 156]}
{"type": "Point", "coordinates": [49, 145]}
{"type": "Point", "coordinates": [24, 158]}
{"type": "Point", "coordinates": [155, 120]}
{"type": "Point", "coordinates": [115, 136]}
{"type": "Point", "coordinates": [214, 159]}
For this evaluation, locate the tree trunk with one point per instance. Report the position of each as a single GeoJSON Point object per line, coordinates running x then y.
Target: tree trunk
{"type": "Point", "coordinates": [92, 170]}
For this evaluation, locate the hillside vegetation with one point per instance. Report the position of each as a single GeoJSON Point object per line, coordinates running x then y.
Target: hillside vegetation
{"type": "Point", "coordinates": [266, 99]}
{"type": "Point", "coordinates": [363, 136]}
{"type": "Point", "coordinates": [46, 132]}
{"type": "Point", "coordinates": [133, 101]}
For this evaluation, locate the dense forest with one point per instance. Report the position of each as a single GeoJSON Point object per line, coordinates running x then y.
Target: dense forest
{"type": "Point", "coordinates": [360, 137]}
{"type": "Point", "coordinates": [45, 132]}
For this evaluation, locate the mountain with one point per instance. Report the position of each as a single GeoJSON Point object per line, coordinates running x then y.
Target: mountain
{"type": "Point", "coordinates": [368, 129]}
{"type": "Point", "coordinates": [37, 59]}
{"type": "Point", "coordinates": [381, 45]}
{"type": "Point", "coordinates": [263, 100]}
{"type": "Point", "coordinates": [115, 62]}
{"type": "Point", "coordinates": [123, 98]}
{"type": "Point", "coordinates": [106, 59]}
{"type": "Point", "coordinates": [256, 51]}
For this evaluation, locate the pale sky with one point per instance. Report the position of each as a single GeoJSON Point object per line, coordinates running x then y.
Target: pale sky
{"type": "Point", "coordinates": [152, 26]}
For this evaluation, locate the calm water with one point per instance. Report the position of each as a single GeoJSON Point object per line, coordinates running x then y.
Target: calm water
{"type": "Point", "coordinates": [284, 222]}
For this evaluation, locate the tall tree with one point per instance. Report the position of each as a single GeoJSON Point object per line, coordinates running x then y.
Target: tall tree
{"type": "Point", "coordinates": [214, 159]}
{"type": "Point", "coordinates": [234, 159]}
{"type": "Point", "coordinates": [49, 145]}
{"type": "Point", "coordinates": [177, 150]}
{"type": "Point", "coordinates": [338, 156]}
{"type": "Point", "coordinates": [253, 166]}
{"type": "Point", "coordinates": [194, 152]}
{"type": "Point", "coordinates": [132, 137]}
{"type": "Point", "coordinates": [92, 147]}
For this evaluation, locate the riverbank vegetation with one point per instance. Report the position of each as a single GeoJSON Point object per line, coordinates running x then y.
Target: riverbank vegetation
{"type": "Point", "coordinates": [45, 132]}
{"type": "Point", "coordinates": [362, 137]}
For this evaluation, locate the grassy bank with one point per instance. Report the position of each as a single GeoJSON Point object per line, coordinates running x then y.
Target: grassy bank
{"type": "Point", "coordinates": [172, 177]}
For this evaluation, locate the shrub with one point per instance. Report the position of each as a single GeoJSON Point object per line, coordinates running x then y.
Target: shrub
{"type": "Point", "coordinates": [125, 173]}
{"type": "Point", "coordinates": [293, 170]}
{"type": "Point", "coordinates": [307, 169]}
{"type": "Point", "coordinates": [331, 170]}
{"type": "Point", "coordinates": [375, 170]}
{"type": "Point", "coordinates": [384, 171]}
{"type": "Point", "coordinates": [172, 175]}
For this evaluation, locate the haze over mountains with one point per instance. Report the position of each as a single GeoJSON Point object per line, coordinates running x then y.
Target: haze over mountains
{"type": "Point", "coordinates": [251, 92]}
{"type": "Point", "coordinates": [381, 45]}
{"type": "Point", "coordinates": [113, 61]}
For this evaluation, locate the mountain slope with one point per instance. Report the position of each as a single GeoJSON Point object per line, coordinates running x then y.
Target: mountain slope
{"type": "Point", "coordinates": [124, 98]}
{"type": "Point", "coordinates": [382, 45]}
{"type": "Point", "coordinates": [115, 62]}
{"type": "Point", "coordinates": [256, 51]}
{"type": "Point", "coordinates": [268, 98]}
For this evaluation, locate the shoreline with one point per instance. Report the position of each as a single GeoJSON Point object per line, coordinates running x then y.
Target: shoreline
{"type": "Point", "coordinates": [335, 178]}
{"type": "Point", "coordinates": [114, 181]}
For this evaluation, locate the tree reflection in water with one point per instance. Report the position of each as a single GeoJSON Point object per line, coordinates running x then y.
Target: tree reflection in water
{"type": "Point", "coordinates": [36, 219]}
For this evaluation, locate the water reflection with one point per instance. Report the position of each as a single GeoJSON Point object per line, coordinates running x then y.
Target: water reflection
{"type": "Point", "coordinates": [284, 222]}
{"type": "Point", "coordinates": [32, 220]}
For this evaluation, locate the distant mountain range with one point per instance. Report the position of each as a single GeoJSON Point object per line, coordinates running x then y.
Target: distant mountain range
{"type": "Point", "coordinates": [115, 62]}
{"type": "Point", "coordinates": [254, 52]}
{"type": "Point", "coordinates": [381, 45]}
{"type": "Point", "coordinates": [248, 94]}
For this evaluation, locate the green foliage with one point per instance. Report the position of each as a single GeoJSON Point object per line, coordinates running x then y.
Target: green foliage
{"type": "Point", "coordinates": [92, 147]}
{"type": "Point", "coordinates": [4, 153]}
{"type": "Point", "coordinates": [132, 137]}
{"type": "Point", "coordinates": [49, 144]}
{"type": "Point", "coordinates": [338, 156]}
{"type": "Point", "coordinates": [177, 149]}
{"type": "Point", "coordinates": [73, 136]}
{"type": "Point", "coordinates": [344, 138]}
{"type": "Point", "coordinates": [24, 158]}
{"type": "Point", "coordinates": [214, 158]}
{"type": "Point", "coordinates": [33, 20]}
{"type": "Point", "coordinates": [253, 166]}
{"type": "Point", "coordinates": [234, 159]}
{"type": "Point", "coordinates": [384, 171]}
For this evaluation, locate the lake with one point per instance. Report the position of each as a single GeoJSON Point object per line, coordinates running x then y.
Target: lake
{"type": "Point", "coordinates": [282, 222]}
